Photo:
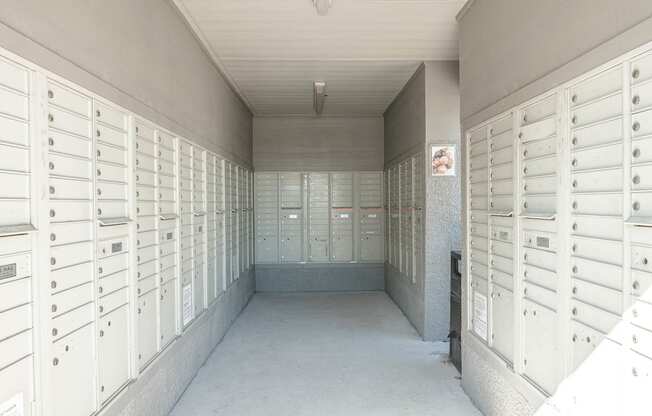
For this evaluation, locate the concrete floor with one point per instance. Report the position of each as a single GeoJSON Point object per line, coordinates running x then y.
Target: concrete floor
{"type": "Point", "coordinates": [325, 354]}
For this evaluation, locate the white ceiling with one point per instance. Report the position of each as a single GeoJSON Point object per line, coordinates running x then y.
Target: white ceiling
{"type": "Point", "coordinates": [273, 50]}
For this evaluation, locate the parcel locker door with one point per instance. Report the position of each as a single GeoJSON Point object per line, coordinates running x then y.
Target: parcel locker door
{"type": "Point", "coordinates": [168, 327]}
{"type": "Point", "coordinates": [371, 235]}
{"type": "Point", "coordinates": [318, 215]}
{"type": "Point", "coordinates": [502, 318]}
{"type": "Point", "coordinates": [342, 235]}
{"type": "Point", "coordinates": [291, 236]}
{"type": "Point", "coordinates": [540, 346]}
{"type": "Point", "coordinates": [113, 352]}
{"type": "Point", "coordinates": [147, 323]}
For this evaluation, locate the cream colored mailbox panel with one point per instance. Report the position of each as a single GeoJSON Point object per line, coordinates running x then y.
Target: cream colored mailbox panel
{"type": "Point", "coordinates": [341, 217]}
{"type": "Point", "coordinates": [291, 217]}
{"type": "Point", "coordinates": [394, 212]}
{"type": "Point", "coordinates": [235, 226]}
{"type": "Point", "coordinates": [371, 217]}
{"type": "Point", "coordinates": [199, 228]}
{"type": "Point", "coordinates": [386, 214]}
{"type": "Point", "coordinates": [71, 330]}
{"type": "Point", "coordinates": [186, 218]}
{"type": "Point", "coordinates": [219, 224]}
{"type": "Point", "coordinates": [16, 257]}
{"type": "Point", "coordinates": [267, 214]}
{"type": "Point", "coordinates": [227, 222]}
{"type": "Point", "coordinates": [318, 217]}
{"type": "Point", "coordinates": [407, 209]}
{"type": "Point", "coordinates": [211, 227]}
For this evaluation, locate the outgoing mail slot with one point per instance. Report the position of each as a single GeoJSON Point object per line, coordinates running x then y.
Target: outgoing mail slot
{"type": "Point", "coordinates": [145, 178]}
{"type": "Point", "coordinates": [641, 178]}
{"type": "Point", "coordinates": [641, 124]}
{"type": "Point", "coordinates": [541, 277]}
{"type": "Point", "coordinates": [144, 162]}
{"type": "Point", "coordinates": [596, 295]}
{"type": "Point", "coordinates": [146, 254]}
{"type": "Point", "coordinates": [540, 185]}
{"type": "Point", "coordinates": [111, 136]}
{"type": "Point", "coordinates": [505, 280]}
{"type": "Point", "coordinates": [146, 238]}
{"type": "Point", "coordinates": [146, 193]}
{"type": "Point", "coordinates": [68, 166]}
{"type": "Point", "coordinates": [15, 320]}
{"type": "Point", "coordinates": [110, 116]}
{"type": "Point", "coordinates": [64, 302]}
{"type": "Point", "coordinates": [504, 171]}
{"type": "Point", "coordinates": [69, 277]}
{"type": "Point", "coordinates": [642, 204]}
{"type": "Point", "coordinates": [111, 154]}
{"type": "Point", "coordinates": [598, 86]}
{"type": "Point", "coordinates": [538, 167]}
{"type": "Point", "coordinates": [146, 223]}
{"type": "Point", "coordinates": [113, 301]}
{"type": "Point", "coordinates": [70, 100]}
{"type": "Point", "coordinates": [69, 189]}
{"type": "Point", "coordinates": [110, 284]}
{"type": "Point", "coordinates": [69, 122]}
{"type": "Point", "coordinates": [112, 209]}
{"type": "Point", "coordinates": [597, 204]}
{"type": "Point", "coordinates": [71, 321]}
{"type": "Point", "coordinates": [599, 110]}
{"type": "Point", "coordinates": [112, 264]}
{"type": "Point", "coordinates": [598, 181]}
{"type": "Point", "coordinates": [65, 233]}
{"type": "Point", "coordinates": [167, 261]}
{"type": "Point", "coordinates": [596, 272]}
{"type": "Point", "coordinates": [598, 158]}
{"type": "Point", "coordinates": [642, 258]}
{"type": "Point", "coordinates": [145, 147]}
{"type": "Point", "coordinates": [601, 250]}
{"type": "Point", "coordinates": [597, 318]}
{"type": "Point", "coordinates": [113, 232]}
{"type": "Point", "coordinates": [14, 293]}
{"type": "Point", "coordinates": [63, 256]}
{"type": "Point", "coordinates": [145, 208]}
{"type": "Point", "coordinates": [60, 142]}
{"type": "Point", "coordinates": [540, 295]}
{"type": "Point", "coordinates": [146, 269]}
{"type": "Point", "coordinates": [113, 173]}
{"type": "Point", "coordinates": [107, 190]}
{"type": "Point", "coordinates": [112, 247]}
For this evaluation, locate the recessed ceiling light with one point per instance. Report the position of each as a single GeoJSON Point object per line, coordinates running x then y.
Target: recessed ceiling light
{"type": "Point", "coordinates": [322, 6]}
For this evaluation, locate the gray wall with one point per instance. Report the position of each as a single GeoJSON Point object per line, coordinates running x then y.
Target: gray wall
{"type": "Point", "coordinates": [512, 51]}
{"type": "Point", "coordinates": [360, 277]}
{"type": "Point", "coordinates": [318, 143]}
{"type": "Point", "coordinates": [425, 112]}
{"type": "Point", "coordinates": [139, 54]}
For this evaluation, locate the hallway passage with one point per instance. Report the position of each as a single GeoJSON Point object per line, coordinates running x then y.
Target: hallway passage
{"type": "Point", "coordinates": [329, 354]}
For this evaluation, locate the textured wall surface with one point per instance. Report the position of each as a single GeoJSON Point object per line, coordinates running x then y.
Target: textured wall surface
{"type": "Point", "coordinates": [318, 143]}
{"type": "Point", "coordinates": [443, 198]}
{"type": "Point", "coordinates": [315, 277]}
{"type": "Point", "coordinates": [498, 71]}
{"type": "Point", "coordinates": [138, 54]}
{"type": "Point", "coordinates": [157, 389]}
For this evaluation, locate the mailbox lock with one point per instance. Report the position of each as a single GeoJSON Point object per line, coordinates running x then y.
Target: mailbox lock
{"type": "Point", "coordinates": [51, 141]}
{"type": "Point", "coordinates": [634, 339]}
{"type": "Point", "coordinates": [53, 284]}
{"type": "Point", "coordinates": [55, 362]}
{"type": "Point", "coordinates": [636, 73]}
{"type": "Point", "coordinates": [635, 313]}
{"type": "Point", "coordinates": [101, 309]}
{"type": "Point", "coordinates": [99, 211]}
{"type": "Point", "coordinates": [51, 165]}
{"type": "Point", "coordinates": [574, 311]}
{"type": "Point", "coordinates": [50, 118]}
{"type": "Point", "coordinates": [51, 189]}
{"type": "Point", "coordinates": [636, 126]}
{"type": "Point", "coordinates": [100, 270]}
{"type": "Point", "coordinates": [636, 179]}
{"type": "Point", "coordinates": [636, 153]}
{"type": "Point", "coordinates": [100, 289]}
{"type": "Point", "coordinates": [574, 184]}
{"type": "Point", "coordinates": [54, 332]}
{"type": "Point", "coordinates": [636, 100]}
{"type": "Point", "coordinates": [98, 113]}
{"type": "Point", "coordinates": [53, 237]}
{"type": "Point", "coordinates": [98, 133]}
{"type": "Point", "coordinates": [574, 227]}
{"type": "Point", "coordinates": [636, 206]}
{"type": "Point", "coordinates": [574, 141]}
{"type": "Point", "coordinates": [574, 248]}
{"type": "Point", "coordinates": [53, 308]}
{"type": "Point", "coordinates": [644, 261]}
{"type": "Point", "coordinates": [574, 98]}
{"type": "Point", "coordinates": [636, 285]}
{"type": "Point", "coordinates": [575, 269]}
{"type": "Point", "coordinates": [574, 338]}
{"type": "Point", "coordinates": [574, 120]}
{"type": "Point", "coordinates": [53, 261]}
{"type": "Point", "coordinates": [101, 332]}
{"type": "Point", "coordinates": [575, 290]}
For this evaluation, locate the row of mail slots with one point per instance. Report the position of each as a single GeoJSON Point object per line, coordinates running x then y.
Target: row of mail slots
{"type": "Point", "coordinates": [122, 232]}
{"type": "Point", "coordinates": [559, 231]}
{"type": "Point", "coordinates": [319, 217]}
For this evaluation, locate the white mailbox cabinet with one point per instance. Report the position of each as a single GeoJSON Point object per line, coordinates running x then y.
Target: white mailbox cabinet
{"type": "Point", "coordinates": [318, 217]}
{"type": "Point", "coordinates": [267, 215]}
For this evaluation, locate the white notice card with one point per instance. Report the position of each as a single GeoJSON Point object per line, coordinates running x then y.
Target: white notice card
{"type": "Point", "coordinates": [13, 406]}
{"type": "Point", "coordinates": [480, 315]}
{"type": "Point", "coordinates": [188, 312]}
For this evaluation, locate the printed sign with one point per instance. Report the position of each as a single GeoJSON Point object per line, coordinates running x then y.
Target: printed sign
{"type": "Point", "coordinates": [13, 406]}
{"type": "Point", "coordinates": [480, 315]}
{"type": "Point", "coordinates": [7, 271]}
{"type": "Point", "coordinates": [188, 311]}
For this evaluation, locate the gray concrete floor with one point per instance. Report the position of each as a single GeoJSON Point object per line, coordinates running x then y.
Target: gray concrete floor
{"type": "Point", "coordinates": [325, 354]}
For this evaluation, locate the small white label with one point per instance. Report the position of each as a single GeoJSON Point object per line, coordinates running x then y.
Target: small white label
{"type": "Point", "coordinates": [344, 215]}
{"type": "Point", "coordinates": [480, 315]}
{"type": "Point", "coordinates": [13, 406]}
{"type": "Point", "coordinates": [188, 312]}
{"type": "Point", "coordinates": [293, 216]}
{"type": "Point", "coordinates": [372, 216]}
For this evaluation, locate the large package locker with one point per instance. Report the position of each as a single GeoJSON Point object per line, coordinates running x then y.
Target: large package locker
{"type": "Point", "coordinates": [291, 217]}
{"type": "Point", "coordinates": [266, 211]}
{"type": "Point", "coordinates": [318, 218]}
{"type": "Point", "coordinates": [371, 217]}
{"type": "Point", "coordinates": [185, 231]}
{"type": "Point", "coordinates": [18, 160]}
{"type": "Point", "coordinates": [198, 228]}
{"type": "Point", "coordinates": [342, 217]}
{"type": "Point", "coordinates": [168, 207]}
{"type": "Point", "coordinates": [147, 240]}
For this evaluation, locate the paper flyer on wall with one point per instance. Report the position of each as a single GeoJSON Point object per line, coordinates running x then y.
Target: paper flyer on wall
{"type": "Point", "coordinates": [188, 312]}
{"type": "Point", "coordinates": [480, 315]}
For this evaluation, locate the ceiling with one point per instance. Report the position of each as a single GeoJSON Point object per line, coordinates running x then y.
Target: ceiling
{"type": "Point", "coordinates": [365, 50]}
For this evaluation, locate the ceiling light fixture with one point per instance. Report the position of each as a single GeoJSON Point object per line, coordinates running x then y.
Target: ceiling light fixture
{"type": "Point", "coordinates": [322, 6]}
{"type": "Point", "coordinates": [319, 91]}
